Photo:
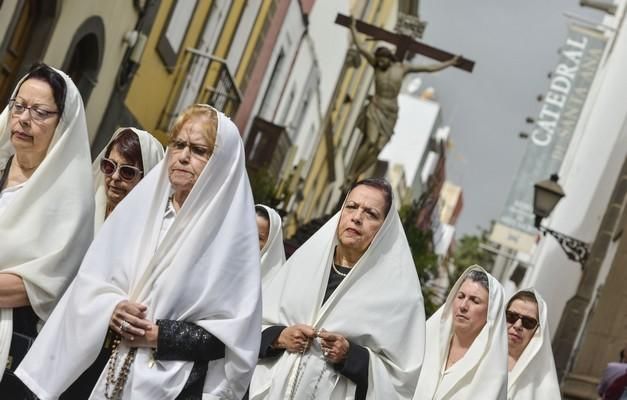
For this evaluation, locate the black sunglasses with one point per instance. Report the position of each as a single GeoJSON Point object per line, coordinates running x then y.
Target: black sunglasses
{"type": "Point", "coordinates": [527, 322]}
{"type": "Point", "coordinates": [127, 172]}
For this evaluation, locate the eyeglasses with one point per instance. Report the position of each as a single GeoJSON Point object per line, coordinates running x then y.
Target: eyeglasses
{"type": "Point", "coordinates": [527, 322]}
{"type": "Point", "coordinates": [127, 172]}
{"type": "Point", "coordinates": [178, 145]}
{"type": "Point", "coordinates": [36, 112]}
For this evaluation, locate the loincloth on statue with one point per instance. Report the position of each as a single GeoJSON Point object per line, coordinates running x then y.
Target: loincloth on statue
{"type": "Point", "coordinates": [382, 114]}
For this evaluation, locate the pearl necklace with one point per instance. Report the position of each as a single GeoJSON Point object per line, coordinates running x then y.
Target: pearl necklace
{"type": "Point", "coordinates": [337, 271]}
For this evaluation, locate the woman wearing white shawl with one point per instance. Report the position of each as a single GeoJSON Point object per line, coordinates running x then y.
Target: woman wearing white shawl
{"type": "Point", "coordinates": [46, 202]}
{"type": "Point", "coordinates": [151, 152]}
{"type": "Point", "coordinates": [466, 348]}
{"type": "Point", "coordinates": [532, 373]}
{"type": "Point", "coordinates": [270, 241]}
{"type": "Point", "coordinates": [191, 256]}
{"type": "Point", "coordinates": [344, 318]}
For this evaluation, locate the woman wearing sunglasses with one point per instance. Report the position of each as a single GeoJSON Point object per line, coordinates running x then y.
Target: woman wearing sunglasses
{"type": "Point", "coordinates": [46, 208]}
{"type": "Point", "coordinates": [466, 347]}
{"type": "Point", "coordinates": [174, 272]}
{"type": "Point", "coordinates": [531, 368]}
{"type": "Point", "coordinates": [128, 157]}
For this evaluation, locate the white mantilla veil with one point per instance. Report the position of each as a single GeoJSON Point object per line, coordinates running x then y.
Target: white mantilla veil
{"type": "Point", "coordinates": [48, 226]}
{"type": "Point", "coordinates": [534, 376]}
{"type": "Point", "coordinates": [273, 252]}
{"type": "Point", "coordinates": [152, 153]}
{"type": "Point", "coordinates": [378, 306]}
{"type": "Point", "coordinates": [482, 372]}
{"type": "Point", "coordinates": [205, 270]}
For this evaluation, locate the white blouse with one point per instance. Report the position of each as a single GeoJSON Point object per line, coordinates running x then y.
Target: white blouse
{"type": "Point", "coordinates": [8, 194]}
{"type": "Point", "coordinates": [168, 219]}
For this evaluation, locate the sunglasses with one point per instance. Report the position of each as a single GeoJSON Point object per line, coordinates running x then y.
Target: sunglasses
{"type": "Point", "coordinates": [126, 172]}
{"type": "Point", "coordinates": [527, 322]}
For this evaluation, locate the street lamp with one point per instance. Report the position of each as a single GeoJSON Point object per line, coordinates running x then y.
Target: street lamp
{"type": "Point", "coordinates": [546, 195]}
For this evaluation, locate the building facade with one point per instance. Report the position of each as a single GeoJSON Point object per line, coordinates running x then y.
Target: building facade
{"type": "Point", "coordinates": [88, 40]}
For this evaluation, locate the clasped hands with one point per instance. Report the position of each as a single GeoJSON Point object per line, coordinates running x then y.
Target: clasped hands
{"type": "Point", "coordinates": [129, 321]}
{"type": "Point", "coordinates": [298, 339]}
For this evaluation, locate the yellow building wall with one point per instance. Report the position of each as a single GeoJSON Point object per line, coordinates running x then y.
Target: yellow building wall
{"type": "Point", "coordinates": [153, 83]}
{"type": "Point", "coordinates": [119, 17]}
{"type": "Point", "coordinates": [154, 87]}
{"type": "Point", "coordinates": [316, 182]}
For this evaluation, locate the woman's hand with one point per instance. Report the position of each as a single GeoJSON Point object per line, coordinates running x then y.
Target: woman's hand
{"type": "Point", "coordinates": [334, 346]}
{"type": "Point", "coordinates": [129, 321]}
{"type": "Point", "coordinates": [295, 338]}
{"type": "Point", "coordinates": [149, 339]}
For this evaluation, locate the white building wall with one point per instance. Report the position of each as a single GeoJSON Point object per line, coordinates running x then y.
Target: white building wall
{"type": "Point", "coordinates": [588, 175]}
{"type": "Point", "coordinates": [304, 55]}
{"type": "Point", "coordinates": [303, 110]}
{"type": "Point", "coordinates": [415, 126]}
{"type": "Point", "coordinates": [287, 43]}
{"type": "Point", "coordinates": [330, 42]}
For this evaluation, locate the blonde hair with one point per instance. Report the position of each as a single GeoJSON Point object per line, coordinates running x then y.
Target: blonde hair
{"type": "Point", "coordinates": [198, 111]}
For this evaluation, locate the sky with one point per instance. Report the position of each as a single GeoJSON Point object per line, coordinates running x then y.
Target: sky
{"type": "Point", "coordinates": [515, 45]}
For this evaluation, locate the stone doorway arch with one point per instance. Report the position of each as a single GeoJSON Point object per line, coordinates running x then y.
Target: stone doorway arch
{"type": "Point", "coordinates": [84, 56]}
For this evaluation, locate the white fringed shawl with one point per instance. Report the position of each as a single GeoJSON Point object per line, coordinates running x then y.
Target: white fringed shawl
{"type": "Point", "coordinates": [273, 252]}
{"type": "Point", "coordinates": [152, 153]}
{"type": "Point", "coordinates": [482, 372]}
{"type": "Point", "coordinates": [205, 271]}
{"type": "Point", "coordinates": [48, 226]}
{"type": "Point", "coordinates": [534, 376]}
{"type": "Point", "coordinates": [378, 306]}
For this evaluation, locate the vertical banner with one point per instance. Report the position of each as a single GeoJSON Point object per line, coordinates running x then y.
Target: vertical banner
{"type": "Point", "coordinates": [570, 83]}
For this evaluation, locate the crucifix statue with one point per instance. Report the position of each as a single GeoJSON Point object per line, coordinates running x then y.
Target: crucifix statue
{"type": "Point", "coordinates": [378, 117]}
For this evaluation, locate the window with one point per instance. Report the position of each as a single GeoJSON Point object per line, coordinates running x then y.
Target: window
{"type": "Point", "coordinates": [287, 106]}
{"type": "Point", "coordinates": [174, 32]}
{"type": "Point", "coordinates": [268, 97]}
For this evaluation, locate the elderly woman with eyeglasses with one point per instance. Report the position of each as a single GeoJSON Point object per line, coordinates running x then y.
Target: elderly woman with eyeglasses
{"type": "Point", "coordinates": [46, 208]}
{"type": "Point", "coordinates": [531, 367]}
{"type": "Point", "coordinates": [174, 273]}
{"type": "Point", "coordinates": [128, 157]}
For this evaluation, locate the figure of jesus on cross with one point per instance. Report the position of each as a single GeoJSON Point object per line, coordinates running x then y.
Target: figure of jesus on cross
{"type": "Point", "coordinates": [377, 119]}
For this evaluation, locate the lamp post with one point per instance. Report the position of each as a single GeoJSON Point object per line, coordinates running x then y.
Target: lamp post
{"type": "Point", "coordinates": [546, 195]}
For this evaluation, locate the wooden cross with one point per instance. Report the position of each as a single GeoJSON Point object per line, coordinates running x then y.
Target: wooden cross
{"type": "Point", "coordinates": [404, 44]}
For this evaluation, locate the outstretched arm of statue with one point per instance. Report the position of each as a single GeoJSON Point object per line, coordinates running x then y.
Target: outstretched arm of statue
{"type": "Point", "coordinates": [360, 46]}
{"type": "Point", "coordinates": [409, 68]}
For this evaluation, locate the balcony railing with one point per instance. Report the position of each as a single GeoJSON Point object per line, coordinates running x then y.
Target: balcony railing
{"type": "Point", "coordinates": [225, 95]}
{"type": "Point", "coordinates": [202, 78]}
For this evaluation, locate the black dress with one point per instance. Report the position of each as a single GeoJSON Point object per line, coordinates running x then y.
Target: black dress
{"type": "Point", "coordinates": [355, 365]}
{"type": "Point", "coordinates": [24, 332]}
{"type": "Point", "coordinates": [177, 340]}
